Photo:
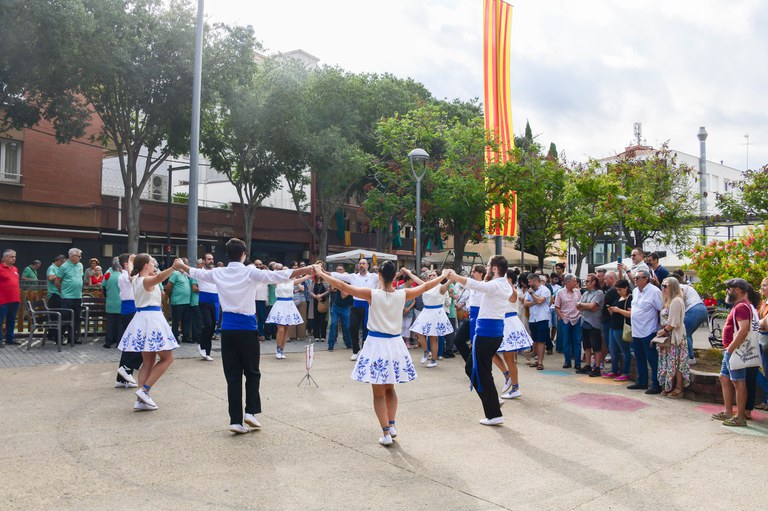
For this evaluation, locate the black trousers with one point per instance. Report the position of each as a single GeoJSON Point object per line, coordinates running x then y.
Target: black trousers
{"type": "Point", "coordinates": [450, 339]}
{"type": "Point", "coordinates": [356, 320]}
{"type": "Point", "coordinates": [461, 341]}
{"type": "Point", "coordinates": [131, 360]}
{"type": "Point", "coordinates": [240, 354]}
{"type": "Point", "coordinates": [76, 304]}
{"type": "Point", "coordinates": [180, 322]}
{"type": "Point", "coordinates": [193, 329]}
{"type": "Point", "coordinates": [270, 329]}
{"type": "Point", "coordinates": [208, 312]}
{"type": "Point", "coordinates": [751, 386]}
{"type": "Point", "coordinates": [485, 348]}
{"type": "Point", "coordinates": [113, 328]}
{"type": "Point", "coordinates": [54, 302]}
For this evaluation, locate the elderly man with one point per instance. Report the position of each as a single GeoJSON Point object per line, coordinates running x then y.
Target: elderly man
{"type": "Point", "coordinates": [646, 305]}
{"type": "Point", "coordinates": [30, 272]}
{"type": "Point", "coordinates": [69, 282]}
{"type": "Point", "coordinates": [629, 271]}
{"type": "Point", "coordinates": [569, 320]}
{"type": "Point", "coordinates": [54, 295]}
{"type": "Point", "coordinates": [10, 295]}
{"type": "Point", "coordinates": [735, 331]}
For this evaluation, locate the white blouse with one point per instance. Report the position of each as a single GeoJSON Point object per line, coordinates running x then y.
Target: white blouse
{"type": "Point", "coordinates": [386, 312]}
{"type": "Point", "coordinates": [144, 298]}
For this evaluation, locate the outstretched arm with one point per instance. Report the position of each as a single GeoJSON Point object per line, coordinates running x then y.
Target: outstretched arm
{"type": "Point", "coordinates": [408, 273]}
{"type": "Point", "coordinates": [413, 292]}
{"type": "Point", "coordinates": [363, 293]}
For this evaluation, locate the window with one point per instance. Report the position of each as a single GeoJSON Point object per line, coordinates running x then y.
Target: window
{"type": "Point", "coordinates": [10, 161]}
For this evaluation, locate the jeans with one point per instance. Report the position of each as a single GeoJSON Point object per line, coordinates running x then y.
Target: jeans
{"type": "Point", "coordinates": [8, 313]}
{"type": "Point", "coordinates": [618, 349]}
{"type": "Point", "coordinates": [336, 314]}
{"type": "Point", "coordinates": [559, 333]}
{"type": "Point", "coordinates": [762, 382]}
{"type": "Point", "coordinates": [694, 318]}
{"type": "Point", "coordinates": [645, 354]}
{"type": "Point", "coordinates": [261, 315]}
{"type": "Point", "coordinates": [571, 336]}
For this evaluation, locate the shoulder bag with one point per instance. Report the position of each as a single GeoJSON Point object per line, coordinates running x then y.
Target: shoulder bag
{"type": "Point", "coordinates": [748, 352]}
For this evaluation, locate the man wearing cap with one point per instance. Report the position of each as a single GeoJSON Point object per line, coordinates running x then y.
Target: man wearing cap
{"type": "Point", "coordinates": [735, 331]}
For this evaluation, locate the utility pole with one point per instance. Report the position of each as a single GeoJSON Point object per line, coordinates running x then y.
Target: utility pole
{"type": "Point", "coordinates": [702, 136]}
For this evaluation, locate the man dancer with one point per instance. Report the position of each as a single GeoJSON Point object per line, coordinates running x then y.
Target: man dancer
{"type": "Point", "coordinates": [130, 361]}
{"type": "Point", "coordinates": [240, 350]}
{"type": "Point", "coordinates": [209, 306]}
{"type": "Point", "coordinates": [359, 312]}
{"type": "Point", "coordinates": [262, 294]}
{"type": "Point", "coordinates": [488, 335]}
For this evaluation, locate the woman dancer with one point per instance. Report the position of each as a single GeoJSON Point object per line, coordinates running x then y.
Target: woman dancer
{"type": "Point", "coordinates": [433, 321]}
{"type": "Point", "coordinates": [148, 332]}
{"type": "Point", "coordinates": [284, 312]}
{"type": "Point", "coordinates": [384, 359]}
{"type": "Point", "coordinates": [516, 338]}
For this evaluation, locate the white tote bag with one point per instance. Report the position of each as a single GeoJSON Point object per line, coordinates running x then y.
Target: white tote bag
{"type": "Point", "coordinates": [748, 353]}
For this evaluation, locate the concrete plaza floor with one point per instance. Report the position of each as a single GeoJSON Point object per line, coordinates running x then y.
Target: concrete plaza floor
{"type": "Point", "coordinates": [72, 441]}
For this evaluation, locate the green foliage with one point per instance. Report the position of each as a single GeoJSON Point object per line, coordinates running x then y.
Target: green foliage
{"type": "Point", "coordinates": [748, 199]}
{"type": "Point", "coordinates": [718, 261]}
{"type": "Point", "coordinates": [180, 198]}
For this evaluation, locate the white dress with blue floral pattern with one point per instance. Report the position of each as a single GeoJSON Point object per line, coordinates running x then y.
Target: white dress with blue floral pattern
{"type": "Point", "coordinates": [385, 360]}
{"type": "Point", "coordinates": [148, 330]}
{"type": "Point", "coordinates": [433, 321]}
{"type": "Point", "coordinates": [284, 311]}
{"type": "Point", "coordinates": [516, 337]}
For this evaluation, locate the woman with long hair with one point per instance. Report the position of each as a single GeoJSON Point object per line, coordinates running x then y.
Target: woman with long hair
{"type": "Point", "coordinates": [320, 299]}
{"type": "Point", "coordinates": [148, 332]}
{"type": "Point", "coordinates": [384, 359]}
{"type": "Point", "coordinates": [674, 373]}
{"type": "Point", "coordinates": [433, 321]}
{"type": "Point", "coordinates": [516, 338]}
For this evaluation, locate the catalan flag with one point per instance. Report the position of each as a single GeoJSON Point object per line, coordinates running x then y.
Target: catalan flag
{"type": "Point", "coordinates": [500, 220]}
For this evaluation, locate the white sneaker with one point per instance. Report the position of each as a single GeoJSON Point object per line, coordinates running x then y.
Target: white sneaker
{"type": "Point", "coordinates": [386, 440]}
{"type": "Point", "coordinates": [208, 358]}
{"type": "Point", "coordinates": [143, 396]}
{"type": "Point", "coordinates": [201, 351]}
{"type": "Point", "coordinates": [125, 374]}
{"type": "Point", "coordinates": [125, 385]}
{"type": "Point", "coordinates": [432, 363]}
{"type": "Point", "coordinates": [392, 431]}
{"type": "Point", "coordinates": [440, 357]}
{"type": "Point", "coordinates": [496, 421]}
{"type": "Point", "coordinates": [239, 429]}
{"type": "Point", "coordinates": [507, 386]}
{"type": "Point", "coordinates": [119, 385]}
{"type": "Point", "coordinates": [277, 355]}
{"type": "Point", "coordinates": [424, 359]}
{"type": "Point", "coordinates": [251, 420]}
{"type": "Point", "coordinates": [512, 394]}
{"type": "Point", "coordinates": [501, 401]}
{"type": "Point", "coordinates": [354, 357]}
{"type": "Point", "coordinates": [140, 406]}
{"type": "Point", "coordinates": [692, 361]}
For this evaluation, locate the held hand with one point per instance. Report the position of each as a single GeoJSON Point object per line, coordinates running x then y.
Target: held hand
{"type": "Point", "coordinates": [178, 264]}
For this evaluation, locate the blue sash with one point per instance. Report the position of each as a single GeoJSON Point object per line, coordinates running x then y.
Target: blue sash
{"type": "Point", "coordinates": [360, 303]}
{"type": "Point", "coordinates": [433, 306]}
{"type": "Point", "coordinates": [285, 299]}
{"type": "Point", "coordinates": [473, 312]}
{"type": "Point", "coordinates": [510, 314]}
{"type": "Point", "coordinates": [373, 333]}
{"type": "Point", "coordinates": [127, 307]}
{"type": "Point", "coordinates": [206, 297]}
{"type": "Point", "coordinates": [151, 308]}
{"type": "Point", "coordinates": [236, 321]}
{"type": "Point", "coordinates": [485, 328]}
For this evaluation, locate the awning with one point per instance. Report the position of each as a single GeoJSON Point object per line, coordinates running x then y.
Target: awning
{"type": "Point", "coordinates": [353, 256]}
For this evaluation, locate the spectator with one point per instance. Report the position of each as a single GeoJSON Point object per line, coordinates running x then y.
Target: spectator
{"type": "Point", "coordinates": [92, 264]}
{"type": "Point", "coordinates": [97, 277]}
{"type": "Point", "coordinates": [620, 321]}
{"type": "Point", "coordinates": [114, 303]}
{"type": "Point", "coordinates": [638, 263]}
{"type": "Point", "coordinates": [320, 306]}
{"type": "Point", "coordinates": [537, 303]}
{"type": "Point", "coordinates": [762, 381]}
{"type": "Point", "coordinates": [695, 315]}
{"type": "Point", "coordinates": [646, 304]}
{"type": "Point", "coordinates": [674, 373]}
{"type": "Point", "coordinates": [341, 306]}
{"type": "Point", "coordinates": [10, 295]}
{"type": "Point", "coordinates": [591, 307]}
{"type": "Point", "coordinates": [54, 295]}
{"type": "Point", "coordinates": [658, 272]}
{"type": "Point", "coordinates": [735, 331]}
{"type": "Point", "coordinates": [179, 292]}
{"type": "Point", "coordinates": [569, 319]}
{"type": "Point", "coordinates": [69, 281]}
{"type": "Point", "coordinates": [30, 272]}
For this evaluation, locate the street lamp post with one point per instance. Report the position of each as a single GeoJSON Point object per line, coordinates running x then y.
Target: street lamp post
{"type": "Point", "coordinates": [620, 247]}
{"type": "Point", "coordinates": [419, 156]}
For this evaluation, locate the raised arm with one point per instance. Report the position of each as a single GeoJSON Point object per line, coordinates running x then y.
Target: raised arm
{"type": "Point", "coordinates": [153, 280]}
{"type": "Point", "coordinates": [413, 292]}
{"type": "Point", "coordinates": [363, 293]}
{"type": "Point", "coordinates": [408, 273]}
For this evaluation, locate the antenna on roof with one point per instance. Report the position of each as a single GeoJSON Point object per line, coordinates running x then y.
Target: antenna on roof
{"type": "Point", "coordinates": [638, 133]}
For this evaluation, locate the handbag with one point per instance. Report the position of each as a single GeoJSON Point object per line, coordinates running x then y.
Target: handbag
{"type": "Point", "coordinates": [322, 305]}
{"type": "Point", "coordinates": [626, 334]}
{"type": "Point", "coordinates": [748, 352]}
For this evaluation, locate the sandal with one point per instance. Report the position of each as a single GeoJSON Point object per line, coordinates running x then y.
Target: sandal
{"type": "Point", "coordinates": [676, 394]}
{"type": "Point", "coordinates": [539, 367]}
{"type": "Point", "coordinates": [735, 421]}
{"type": "Point", "coordinates": [722, 416]}
{"type": "Point", "coordinates": [761, 406]}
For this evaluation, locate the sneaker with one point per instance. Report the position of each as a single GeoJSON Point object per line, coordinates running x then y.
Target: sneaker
{"type": "Point", "coordinates": [208, 358]}
{"type": "Point", "coordinates": [140, 406]}
{"type": "Point", "coordinates": [432, 363]}
{"type": "Point", "coordinates": [584, 370]}
{"type": "Point", "coordinates": [392, 431]}
{"type": "Point", "coordinates": [125, 385]}
{"type": "Point", "coordinates": [143, 396]}
{"type": "Point", "coordinates": [595, 373]}
{"type": "Point", "coordinates": [251, 421]}
{"type": "Point", "coordinates": [610, 375]}
{"type": "Point", "coordinates": [202, 352]}
{"type": "Point", "coordinates": [566, 366]}
{"type": "Point", "coordinates": [239, 429]}
{"type": "Point", "coordinates": [692, 361]}
{"type": "Point", "coordinates": [501, 402]}
{"type": "Point", "coordinates": [507, 386]}
{"type": "Point", "coordinates": [424, 358]}
{"type": "Point", "coordinates": [496, 421]}
{"type": "Point", "coordinates": [512, 394]}
{"type": "Point", "coordinates": [440, 357]}
{"type": "Point", "coordinates": [123, 372]}
{"type": "Point", "coordinates": [735, 421]}
{"type": "Point", "coordinates": [623, 377]}
{"type": "Point", "coordinates": [386, 440]}
{"type": "Point", "coordinates": [354, 357]}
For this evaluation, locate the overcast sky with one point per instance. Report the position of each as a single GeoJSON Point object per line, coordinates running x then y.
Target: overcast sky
{"type": "Point", "coordinates": [583, 72]}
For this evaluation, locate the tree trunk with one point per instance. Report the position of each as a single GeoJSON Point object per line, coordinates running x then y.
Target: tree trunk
{"type": "Point", "coordinates": [323, 252]}
{"type": "Point", "coordinates": [578, 261]}
{"type": "Point", "coordinates": [459, 244]}
{"type": "Point", "coordinates": [133, 213]}
{"type": "Point", "coordinates": [248, 211]}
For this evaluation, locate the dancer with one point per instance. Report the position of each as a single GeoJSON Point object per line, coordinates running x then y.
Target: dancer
{"type": "Point", "coordinates": [236, 285]}
{"type": "Point", "coordinates": [384, 359]}
{"type": "Point", "coordinates": [208, 301]}
{"type": "Point", "coordinates": [359, 312]}
{"type": "Point", "coordinates": [488, 335]}
{"type": "Point", "coordinates": [516, 339]}
{"type": "Point", "coordinates": [130, 361]}
{"type": "Point", "coordinates": [148, 332]}
{"type": "Point", "coordinates": [433, 321]}
{"type": "Point", "coordinates": [467, 329]}
{"type": "Point", "coordinates": [285, 313]}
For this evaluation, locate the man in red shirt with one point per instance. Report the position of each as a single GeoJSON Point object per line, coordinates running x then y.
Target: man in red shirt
{"type": "Point", "coordinates": [735, 331]}
{"type": "Point", "coordinates": [10, 295]}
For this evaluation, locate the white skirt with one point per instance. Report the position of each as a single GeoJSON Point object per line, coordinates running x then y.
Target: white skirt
{"type": "Point", "coordinates": [432, 322]}
{"type": "Point", "coordinates": [284, 312]}
{"type": "Point", "coordinates": [516, 338]}
{"type": "Point", "coordinates": [384, 360]}
{"type": "Point", "coordinates": [148, 331]}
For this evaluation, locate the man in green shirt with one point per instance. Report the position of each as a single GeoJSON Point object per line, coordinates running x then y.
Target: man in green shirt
{"type": "Point", "coordinates": [30, 272]}
{"type": "Point", "coordinates": [54, 295]}
{"type": "Point", "coordinates": [69, 281]}
{"type": "Point", "coordinates": [179, 291]}
{"type": "Point", "coordinates": [114, 304]}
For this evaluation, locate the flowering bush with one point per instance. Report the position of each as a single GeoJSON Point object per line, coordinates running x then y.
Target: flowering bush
{"type": "Point", "coordinates": [718, 261]}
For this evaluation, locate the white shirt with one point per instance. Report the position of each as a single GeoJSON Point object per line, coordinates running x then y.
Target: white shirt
{"type": "Point", "coordinates": [386, 312]}
{"type": "Point", "coordinates": [433, 297]}
{"type": "Point", "coordinates": [474, 298]}
{"type": "Point", "coordinates": [646, 305]}
{"type": "Point", "coordinates": [691, 296]}
{"type": "Point", "coordinates": [236, 284]}
{"type": "Point", "coordinates": [205, 287]}
{"type": "Point", "coordinates": [146, 298]}
{"type": "Point", "coordinates": [538, 312]}
{"type": "Point", "coordinates": [284, 290]}
{"type": "Point", "coordinates": [494, 297]}
{"type": "Point", "coordinates": [262, 291]}
{"type": "Point", "coordinates": [369, 280]}
{"type": "Point", "coordinates": [124, 286]}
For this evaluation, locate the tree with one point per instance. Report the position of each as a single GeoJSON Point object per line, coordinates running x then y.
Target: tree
{"type": "Point", "coordinates": [748, 199]}
{"type": "Point", "coordinates": [660, 202]}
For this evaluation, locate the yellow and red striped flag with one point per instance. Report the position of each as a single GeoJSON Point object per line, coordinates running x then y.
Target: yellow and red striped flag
{"type": "Point", "coordinates": [500, 220]}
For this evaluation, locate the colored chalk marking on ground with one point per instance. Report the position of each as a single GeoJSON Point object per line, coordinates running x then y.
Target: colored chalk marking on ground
{"type": "Point", "coordinates": [606, 402]}
{"type": "Point", "coordinates": [600, 380]}
{"type": "Point", "coordinates": [758, 426]}
{"type": "Point", "coordinates": [555, 373]}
